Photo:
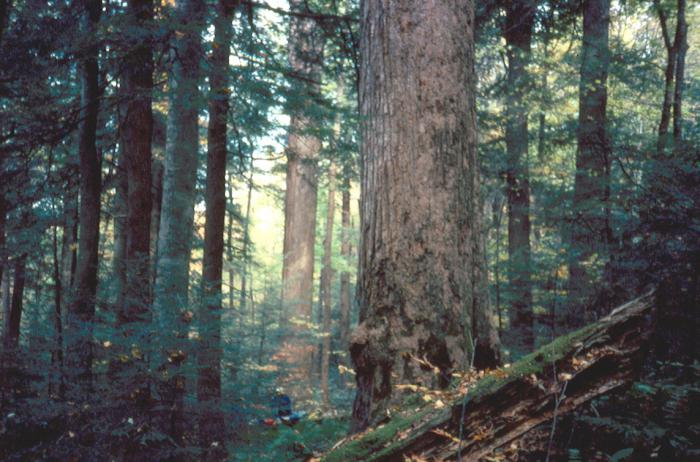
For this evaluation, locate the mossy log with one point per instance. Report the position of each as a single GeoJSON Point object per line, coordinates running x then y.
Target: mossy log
{"type": "Point", "coordinates": [507, 403]}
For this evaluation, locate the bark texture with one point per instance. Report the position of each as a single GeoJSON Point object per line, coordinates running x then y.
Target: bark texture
{"type": "Point", "coordinates": [590, 227]}
{"type": "Point", "coordinates": [422, 281]}
{"type": "Point", "coordinates": [303, 146]}
{"type": "Point", "coordinates": [17, 303]}
{"type": "Point", "coordinates": [345, 248]}
{"type": "Point", "coordinates": [508, 403]}
{"type": "Point", "coordinates": [210, 353]}
{"type": "Point", "coordinates": [136, 133]}
{"type": "Point", "coordinates": [177, 213]}
{"type": "Point", "coordinates": [82, 309]}
{"type": "Point", "coordinates": [326, 284]}
{"type": "Point", "coordinates": [520, 18]}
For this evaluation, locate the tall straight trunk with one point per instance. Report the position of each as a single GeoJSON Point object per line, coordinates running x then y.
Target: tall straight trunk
{"type": "Point", "coordinates": [303, 146]}
{"type": "Point", "coordinates": [57, 351]}
{"type": "Point", "coordinates": [326, 283]}
{"type": "Point", "coordinates": [17, 302]}
{"type": "Point", "coordinates": [245, 264]}
{"type": "Point", "coordinates": [345, 249]}
{"type": "Point", "coordinates": [156, 206]}
{"type": "Point", "coordinates": [3, 250]}
{"type": "Point", "coordinates": [119, 210]}
{"type": "Point", "coordinates": [682, 44]}
{"type": "Point", "coordinates": [520, 18]}
{"type": "Point", "coordinates": [669, 74]}
{"type": "Point", "coordinates": [422, 278]}
{"type": "Point", "coordinates": [177, 214]}
{"type": "Point", "coordinates": [590, 227]}
{"type": "Point", "coordinates": [136, 133]}
{"type": "Point", "coordinates": [229, 245]}
{"type": "Point", "coordinates": [82, 309]}
{"type": "Point", "coordinates": [209, 353]}
{"type": "Point", "coordinates": [69, 238]}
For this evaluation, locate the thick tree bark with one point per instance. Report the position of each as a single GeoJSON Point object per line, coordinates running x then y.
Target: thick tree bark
{"type": "Point", "coordinates": [590, 226]}
{"type": "Point", "coordinates": [82, 309]}
{"type": "Point", "coordinates": [136, 133]}
{"type": "Point", "coordinates": [472, 423]}
{"type": "Point", "coordinates": [345, 248]}
{"type": "Point", "coordinates": [422, 280]}
{"type": "Point", "coordinates": [326, 283]}
{"type": "Point", "coordinates": [177, 216]}
{"type": "Point", "coordinates": [520, 18]}
{"type": "Point", "coordinates": [303, 146]}
{"type": "Point", "coordinates": [211, 424]}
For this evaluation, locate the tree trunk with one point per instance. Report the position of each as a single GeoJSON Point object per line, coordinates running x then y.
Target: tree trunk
{"type": "Point", "coordinates": [136, 133]}
{"type": "Point", "coordinates": [485, 415]}
{"type": "Point", "coordinates": [520, 18]}
{"type": "Point", "coordinates": [590, 227]}
{"type": "Point", "coordinates": [671, 51]}
{"type": "Point", "coordinates": [157, 172]}
{"type": "Point", "coordinates": [57, 352]}
{"type": "Point", "coordinates": [211, 424]}
{"type": "Point", "coordinates": [345, 300]}
{"type": "Point", "coordinates": [326, 283]}
{"type": "Point", "coordinates": [422, 279]}
{"type": "Point", "coordinates": [682, 46]}
{"type": "Point", "coordinates": [16, 304]}
{"type": "Point", "coordinates": [69, 238]}
{"type": "Point", "coordinates": [177, 215]}
{"type": "Point", "coordinates": [303, 146]}
{"type": "Point", "coordinates": [245, 264]}
{"type": "Point", "coordinates": [120, 226]}
{"type": "Point", "coordinates": [82, 309]}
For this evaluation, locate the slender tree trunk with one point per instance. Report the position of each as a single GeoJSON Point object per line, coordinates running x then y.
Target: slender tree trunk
{"type": "Point", "coordinates": [326, 283]}
{"type": "Point", "coordinates": [303, 146]}
{"type": "Point", "coordinates": [3, 258]}
{"type": "Point", "coordinates": [682, 45]}
{"type": "Point", "coordinates": [136, 134]}
{"type": "Point", "coordinates": [520, 18]}
{"type": "Point", "coordinates": [229, 245]}
{"type": "Point", "coordinates": [422, 280]}
{"type": "Point", "coordinates": [120, 225]}
{"type": "Point", "coordinates": [245, 264]}
{"type": "Point", "coordinates": [156, 205]}
{"type": "Point", "coordinates": [82, 309]}
{"type": "Point", "coordinates": [16, 304]}
{"type": "Point", "coordinates": [57, 352]}
{"type": "Point", "coordinates": [211, 423]}
{"type": "Point", "coordinates": [671, 51]}
{"type": "Point", "coordinates": [177, 216]}
{"type": "Point", "coordinates": [590, 228]}
{"type": "Point", "coordinates": [345, 299]}
{"type": "Point", "coordinates": [69, 238]}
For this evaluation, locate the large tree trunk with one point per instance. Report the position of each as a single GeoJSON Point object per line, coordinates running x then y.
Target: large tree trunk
{"type": "Point", "coordinates": [326, 283]}
{"type": "Point", "coordinates": [211, 424]}
{"type": "Point", "coordinates": [177, 215]}
{"type": "Point", "coordinates": [303, 146]}
{"type": "Point", "coordinates": [590, 227]}
{"type": "Point", "coordinates": [473, 422]}
{"type": "Point", "coordinates": [422, 281]}
{"type": "Point", "coordinates": [520, 17]}
{"type": "Point", "coordinates": [82, 309]}
{"type": "Point", "coordinates": [136, 132]}
{"type": "Point", "coordinates": [345, 299]}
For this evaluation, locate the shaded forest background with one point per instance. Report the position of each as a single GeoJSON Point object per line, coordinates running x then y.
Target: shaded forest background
{"type": "Point", "coordinates": [180, 215]}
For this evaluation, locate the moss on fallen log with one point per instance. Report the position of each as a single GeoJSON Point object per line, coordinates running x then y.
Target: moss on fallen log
{"type": "Point", "coordinates": [508, 402]}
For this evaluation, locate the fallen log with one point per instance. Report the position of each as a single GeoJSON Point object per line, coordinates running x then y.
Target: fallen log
{"type": "Point", "coordinates": [477, 419]}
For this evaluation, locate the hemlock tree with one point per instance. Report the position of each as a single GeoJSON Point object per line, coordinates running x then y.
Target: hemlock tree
{"type": "Point", "coordinates": [177, 213]}
{"type": "Point", "coordinates": [209, 354]}
{"type": "Point", "coordinates": [520, 18]}
{"type": "Point", "coordinates": [81, 312]}
{"type": "Point", "coordinates": [303, 146]}
{"type": "Point", "coordinates": [422, 274]}
{"type": "Point", "coordinates": [590, 226]}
